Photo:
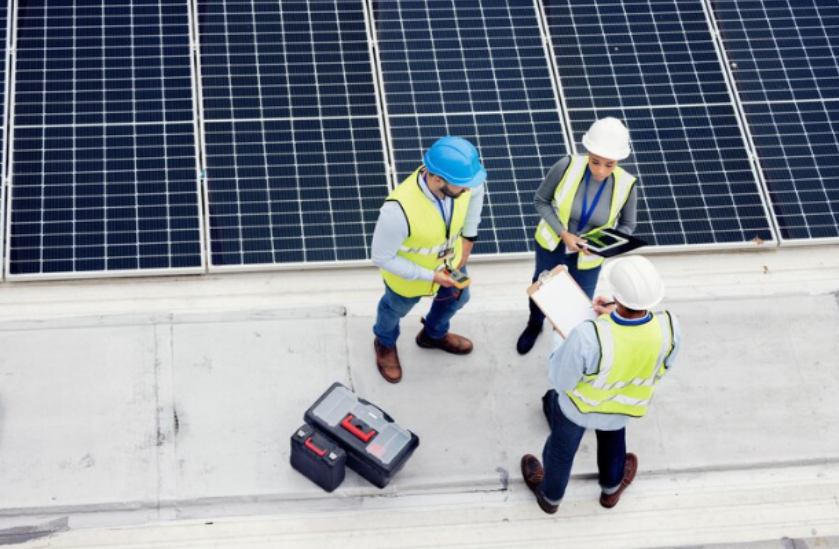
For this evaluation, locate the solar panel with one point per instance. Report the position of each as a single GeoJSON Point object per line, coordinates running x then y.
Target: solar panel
{"type": "Point", "coordinates": [294, 141]}
{"type": "Point", "coordinates": [783, 58]}
{"type": "Point", "coordinates": [479, 70]}
{"type": "Point", "coordinates": [104, 161]}
{"type": "Point", "coordinates": [654, 65]}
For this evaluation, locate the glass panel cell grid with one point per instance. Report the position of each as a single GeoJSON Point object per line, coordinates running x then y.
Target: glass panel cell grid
{"type": "Point", "coordinates": [477, 70]}
{"type": "Point", "coordinates": [783, 56]}
{"type": "Point", "coordinates": [104, 161]}
{"type": "Point", "coordinates": [294, 148]}
{"type": "Point", "coordinates": [654, 65]}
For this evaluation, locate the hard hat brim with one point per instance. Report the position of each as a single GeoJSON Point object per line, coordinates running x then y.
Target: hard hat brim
{"type": "Point", "coordinates": [635, 306]}
{"type": "Point", "coordinates": [476, 180]}
{"type": "Point", "coordinates": [611, 154]}
{"type": "Point", "coordinates": [470, 183]}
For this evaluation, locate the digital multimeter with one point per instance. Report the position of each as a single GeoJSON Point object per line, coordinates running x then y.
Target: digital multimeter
{"type": "Point", "coordinates": [461, 279]}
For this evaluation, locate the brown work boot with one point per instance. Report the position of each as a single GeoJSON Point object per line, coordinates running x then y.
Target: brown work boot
{"type": "Point", "coordinates": [630, 467]}
{"type": "Point", "coordinates": [451, 343]}
{"type": "Point", "coordinates": [533, 473]}
{"type": "Point", "coordinates": [388, 362]}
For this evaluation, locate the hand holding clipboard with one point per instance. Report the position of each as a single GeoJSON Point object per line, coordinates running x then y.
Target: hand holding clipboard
{"type": "Point", "coordinates": [562, 300]}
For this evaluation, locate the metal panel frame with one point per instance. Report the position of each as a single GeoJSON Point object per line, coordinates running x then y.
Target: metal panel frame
{"type": "Point", "coordinates": [200, 141]}
{"type": "Point", "coordinates": [389, 170]}
{"type": "Point", "coordinates": [8, 211]}
{"type": "Point", "coordinates": [11, 58]}
{"type": "Point", "coordinates": [390, 154]}
{"type": "Point", "coordinates": [750, 245]}
{"type": "Point", "coordinates": [5, 130]}
{"type": "Point", "coordinates": [197, 100]}
{"type": "Point", "coordinates": [559, 92]}
{"type": "Point", "coordinates": [752, 148]}
{"type": "Point", "coordinates": [381, 102]}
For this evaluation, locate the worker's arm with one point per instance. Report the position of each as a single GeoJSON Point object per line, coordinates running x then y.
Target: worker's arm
{"type": "Point", "coordinates": [473, 213]}
{"type": "Point", "coordinates": [628, 216]}
{"type": "Point", "coordinates": [545, 195]}
{"type": "Point", "coordinates": [579, 355]}
{"type": "Point", "coordinates": [391, 231]}
{"type": "Point", "coordinates": [545, 206]}
{"type": "Point", "coordinates": [473, 219]}
{"type": "Point", "coordinates": [677, 343]}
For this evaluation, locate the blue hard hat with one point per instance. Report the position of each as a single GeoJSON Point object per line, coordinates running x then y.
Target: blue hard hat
{"type": "Point", "coordinates": [456, 160]}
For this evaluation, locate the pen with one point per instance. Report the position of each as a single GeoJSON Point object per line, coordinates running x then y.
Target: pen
{"type": "Point", "coordinates": [607, 304]}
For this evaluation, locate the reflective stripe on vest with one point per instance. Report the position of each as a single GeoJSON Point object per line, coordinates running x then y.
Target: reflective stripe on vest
{"type": "Point", "coordinates": [427, 237]}
{"type": "Point", "coordinates": [564, 200]}
{"type": "Point", "coordinates": [431, 251]}
{"type": "Point", "coordinates": [630, 366]}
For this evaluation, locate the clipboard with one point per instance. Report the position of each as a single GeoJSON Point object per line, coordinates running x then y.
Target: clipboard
{"type": "Point", "coordinates": [562, 300]}
{"type": "Point", "coordinates": [610, 242]}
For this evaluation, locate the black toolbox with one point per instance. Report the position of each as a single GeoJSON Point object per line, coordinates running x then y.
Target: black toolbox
{"type": "Point", "coordinates": [318, 457]}
{"type": "Point", "coordinates": [377, 448]}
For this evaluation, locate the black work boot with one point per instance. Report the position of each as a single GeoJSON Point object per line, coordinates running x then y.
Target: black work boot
{"type": "Point", "coordinates": [527, 339]}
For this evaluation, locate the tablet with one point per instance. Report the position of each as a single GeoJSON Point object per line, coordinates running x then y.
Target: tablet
{"type": "Point", "coordinates": [602, 241]}
{"type": "Point", "coordinates": [609, 242]}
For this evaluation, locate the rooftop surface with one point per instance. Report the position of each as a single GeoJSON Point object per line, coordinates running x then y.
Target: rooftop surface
{"type": "Point", "coordinates": [157, 413]}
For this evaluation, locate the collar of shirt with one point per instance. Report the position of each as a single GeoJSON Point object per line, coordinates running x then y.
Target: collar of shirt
{"type": "Point", "coordinates": [434, 199]}
{"type": "Point", "coordinates": [631, 321]}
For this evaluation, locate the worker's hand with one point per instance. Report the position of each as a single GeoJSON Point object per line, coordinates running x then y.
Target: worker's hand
{"type": "Point", "coordinates": [467, 251]}
{"type": "Point", "coordinates": [603, 305]}
{"type": "Point", "coordinates": [443, 279]}
{"type": "Point", "coordinates": [573, 242]}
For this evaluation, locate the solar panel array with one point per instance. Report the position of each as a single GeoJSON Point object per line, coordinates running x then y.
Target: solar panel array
{"type": "Point", "coordinates": [294, 143]}
{"type": "Point", "coordinates": [104, 171]}
{"type": "Point", "coordinates": [476, 69]}
{"type": "Point", "coordinates": [783, 56]}
{"type": "Point", "coordinates": [654, 65]}
{"type": "Point", "coordinates": [302, 115]}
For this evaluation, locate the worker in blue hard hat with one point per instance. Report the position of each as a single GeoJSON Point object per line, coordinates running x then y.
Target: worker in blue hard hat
{"type": "Point", "coordinates": [579, 195]}
{"type": "Point", "coordinates": [425, 231]}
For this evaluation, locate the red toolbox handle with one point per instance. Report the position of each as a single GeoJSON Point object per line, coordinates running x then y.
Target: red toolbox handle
{"type": "Point", "coordinates": [311, 446]}
{"type": "Point", "coordinates": [364, 437]}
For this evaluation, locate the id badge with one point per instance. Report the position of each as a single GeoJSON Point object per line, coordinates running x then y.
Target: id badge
{"type": "Point", "coordinates": [448, 253]}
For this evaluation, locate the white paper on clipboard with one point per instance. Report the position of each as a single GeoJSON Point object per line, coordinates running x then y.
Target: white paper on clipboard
{"type": "Point", "coordinates": [562, 300]}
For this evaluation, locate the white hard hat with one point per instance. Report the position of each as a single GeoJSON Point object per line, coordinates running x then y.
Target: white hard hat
{"type": "Point", "coordinates": [609, 138]}
{"type": "Point", "coordinates": [635, 282]}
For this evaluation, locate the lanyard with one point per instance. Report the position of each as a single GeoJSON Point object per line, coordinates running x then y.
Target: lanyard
{"type": "Point", "coordinates": [441, 206]}
{"type": "Point", "coordinates": [585, 215]}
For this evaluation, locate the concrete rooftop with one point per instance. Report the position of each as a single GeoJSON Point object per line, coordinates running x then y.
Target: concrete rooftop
{"type": "Point", "coordinates": [157, 413]}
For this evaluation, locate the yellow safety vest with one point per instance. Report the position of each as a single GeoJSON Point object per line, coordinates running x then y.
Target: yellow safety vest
{"type": "Point", "coordinates": [631, 363]}
{"type": "Point", "coordinates": [428, 240]}
{"type": "Point", "coordinates": [564, 199]}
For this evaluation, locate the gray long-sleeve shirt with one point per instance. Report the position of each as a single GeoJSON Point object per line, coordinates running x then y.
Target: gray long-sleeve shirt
{"type": "Point", "coordinates": [392, 230]}
{"type": "Point", "coordinates": [580, 355]}
{"type": "Point", "coordinates": [627, 218]}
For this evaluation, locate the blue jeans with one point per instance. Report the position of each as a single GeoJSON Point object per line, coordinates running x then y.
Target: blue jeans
{"type": "Point", "coordinates": [393, 307]}
{"type": "Point", "coordinates": [562, 445]}
{"type": "Point", "coordinates": [545, 261]}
